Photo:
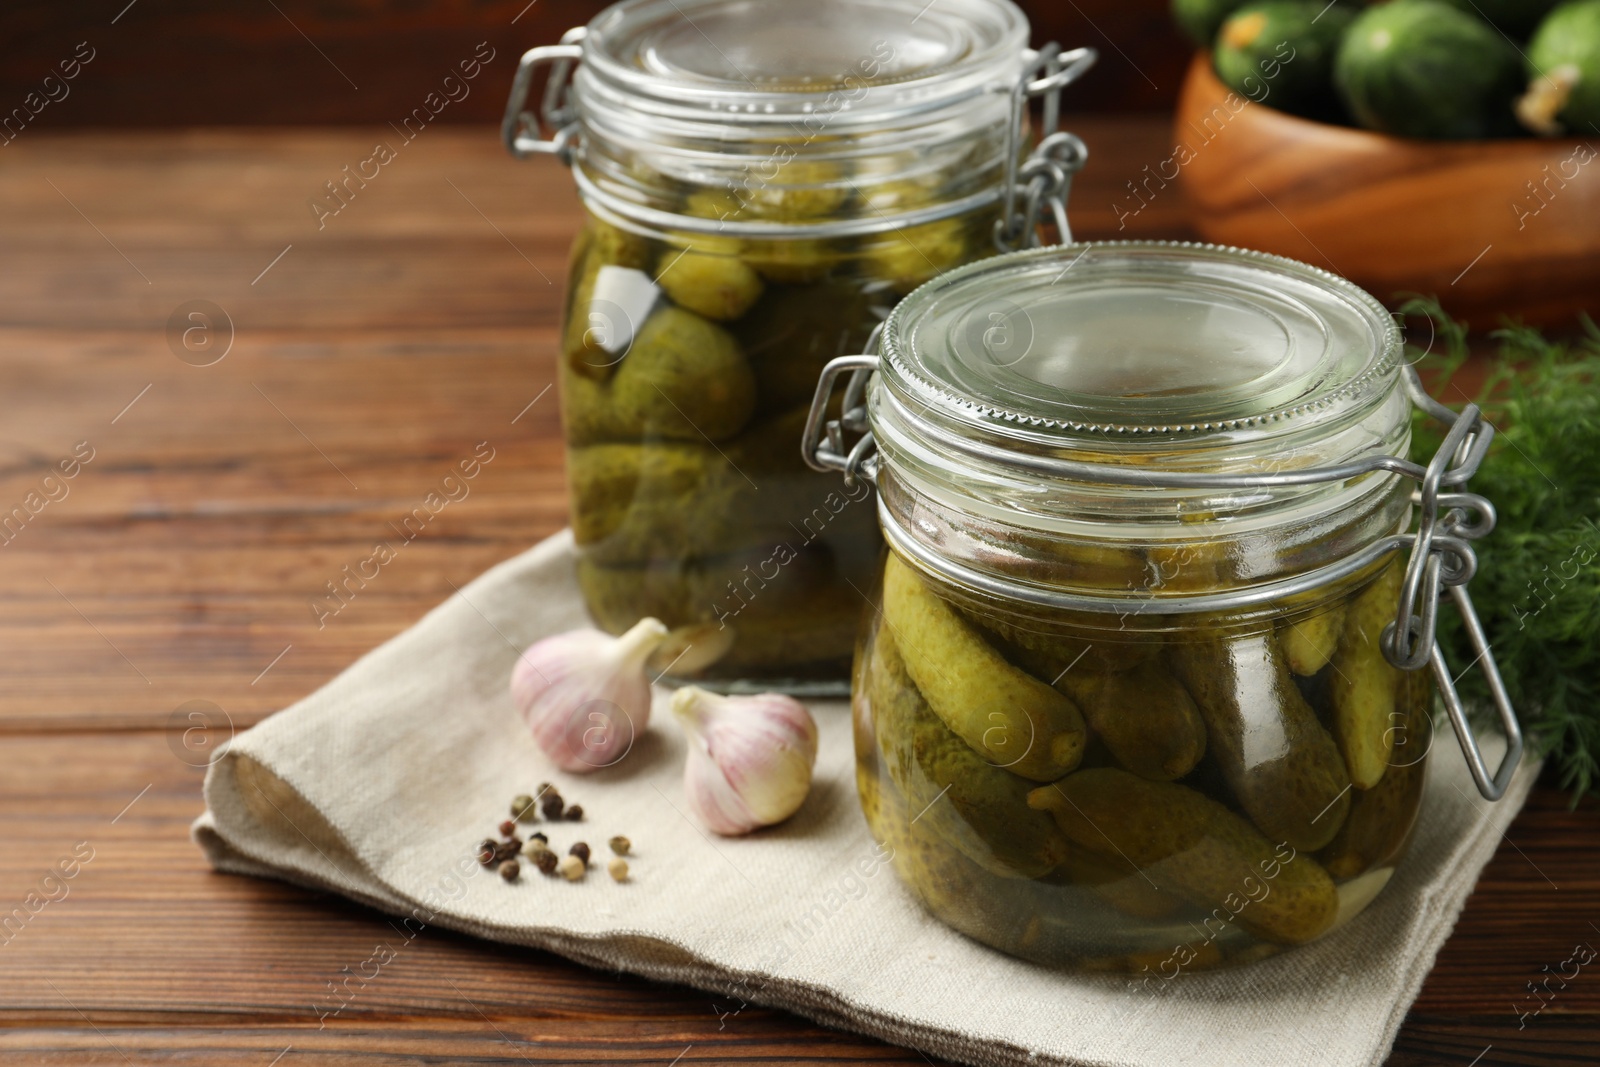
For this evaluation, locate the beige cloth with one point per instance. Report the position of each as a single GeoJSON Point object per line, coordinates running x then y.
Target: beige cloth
{"type": "Point", "coordinates": [379, 786]}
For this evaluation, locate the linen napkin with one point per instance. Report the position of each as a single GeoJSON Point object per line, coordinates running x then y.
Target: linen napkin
{"type": "Point", "coordinates": [380, 785]}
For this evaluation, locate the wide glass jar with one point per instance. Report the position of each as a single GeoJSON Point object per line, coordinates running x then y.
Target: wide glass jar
{"type": "Point", "coordinates": [1128, 696]}
{"type": "Point", "coordinates": [762, 183]}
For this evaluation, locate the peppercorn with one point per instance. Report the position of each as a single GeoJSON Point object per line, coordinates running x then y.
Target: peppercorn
{"type": "Point", "coordinates": [546, 861]}
{"type": "Point", "coordinates": [619, 869]}
{"type": "Point", "coordinates": [546, 789]}
{"type": "Point", "coordinates": [575, 812]}
{"type": "Point", "coordinates": [505, 850]}
{"type": "Point", "coordinates": [552, 805]}
{"type": "Point", "coordinates": [534, 847]}
{"type": "Point", "coordinates": [537, 836]}
{"type": "Point", "coordinates": [509, 870]}
{"type": "Point", "coordinates": [523, 808]}
{"type": "Point", "coordinates": [620, 845]}
{"type": "Point", "coordinates": [487, 851]}
{"type": "Point", "coordinates": [580, 850]}
{"type": "Point", "coordinates": [571, 868]}
{"type": "Point", "coordinates": [508, 828]}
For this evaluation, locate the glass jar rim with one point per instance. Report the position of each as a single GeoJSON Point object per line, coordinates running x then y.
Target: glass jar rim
{"type": "Point", "coordinates": [987, 485]}
{"type": "Point", "coordinates": [986, 349]}
{"type": "Point", "coordinates": [662, 57]}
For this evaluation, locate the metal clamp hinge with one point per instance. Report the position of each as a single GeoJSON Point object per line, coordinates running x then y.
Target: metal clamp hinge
{"type": "Point", "coordinates": [824, 446]}
{"type": "Point", "coordinates": [1442, 563]}
{"type": "Point", "coordinates": [522, 130]}
{"type": "Point", "coordinates": [1043, 181]}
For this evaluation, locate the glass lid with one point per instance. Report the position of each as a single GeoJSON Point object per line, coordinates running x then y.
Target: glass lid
{"type": "Point", "coordinates": [761, 58]}
{"type": "Point", "coordinates": [1140, 340]}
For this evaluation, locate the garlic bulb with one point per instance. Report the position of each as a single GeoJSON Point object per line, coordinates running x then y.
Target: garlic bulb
{"type": "Point", "coordinates": [585, 694]}
{"type": "Point", "coordinates": [750, 757]}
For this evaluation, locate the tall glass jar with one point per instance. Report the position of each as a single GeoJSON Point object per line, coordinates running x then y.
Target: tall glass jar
{"type": "Point", "coordinates": [762, 183]}
{"type": "Point", "coordinates": [1129, 696]}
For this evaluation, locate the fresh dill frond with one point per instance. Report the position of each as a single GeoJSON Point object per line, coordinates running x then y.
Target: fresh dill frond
{"type": "Point", "coordinates": [1537, 588]}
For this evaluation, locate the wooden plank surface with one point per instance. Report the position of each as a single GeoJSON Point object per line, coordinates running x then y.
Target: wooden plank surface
{"type": "Point", "coordinates": [181, 564]}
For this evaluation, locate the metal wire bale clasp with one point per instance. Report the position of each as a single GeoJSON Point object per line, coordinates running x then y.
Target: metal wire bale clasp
{"type": "Point", "coordinates": [1442, 563]}
{"type": "Point", "coordinates": [1043, 181]}
{"type": "Point", "coordinates": [521, 129]}
{"type": "Point", "coordinates": [1441, 560]}
{"type": "Point", "coordinates": [824, 447]}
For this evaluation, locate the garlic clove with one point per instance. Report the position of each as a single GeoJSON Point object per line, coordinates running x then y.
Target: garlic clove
{"type": "Point", "coordinates": [688, 650]}
{"type": "Point", "coordinates": [750, 757]}
{"type": "Point", "coordinates": [585, 695]}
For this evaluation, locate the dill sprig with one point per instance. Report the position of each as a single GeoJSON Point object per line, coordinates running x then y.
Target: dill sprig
{"type": "Point", "coordinates": [1537, 588]}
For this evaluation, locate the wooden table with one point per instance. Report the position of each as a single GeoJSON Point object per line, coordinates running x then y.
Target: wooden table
{"type": "Point", "coordinates": [367, 355]}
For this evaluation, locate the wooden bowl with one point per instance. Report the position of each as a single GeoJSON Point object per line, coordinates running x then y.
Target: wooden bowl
{"type": "Point", "coordinates": [1491, 227]}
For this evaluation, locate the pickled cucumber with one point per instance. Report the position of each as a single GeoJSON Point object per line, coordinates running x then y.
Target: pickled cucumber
{"type": "Point", "coordinates": [684, 379]}
{"type": "Point", "coordinates": [792, 260]}
{"type": "Point", "coordinates": [1118, 882]}
{"type": "Point", "coordinates": [1190, 845]}
{"type": "Point", "coordinates": [1381, 818]}
{"type": "Point", "coordinates": [684, 427]}
{"type": "Point", "coordinates": [1308, 643]}
{"type": "Point", "coordinates": [1081, 566]}
{"type": "Point", "coordinates": [1362, 688]}
{"type": "Point", "coordinates": [629, 496]}
{"type": "Point", "coordinates": [905, 258]}
{"type": "Point", "coordinates": [777, 259]}
{"type": "Point", "coordinates": [678, 500]}
{"type": "Point", "coordinates": [802, 190]}
{"type": "Point", "coordinates": [1281, 764]}
{"type": "Point", "coordinates": [772, 447]}
{"type": "Point", "coordinates": [719, 204]}
{"type": "Point", "coordinates": [1009, 717]}
{"type": "Point", "coordinates": [902, 194]}
{"type": "Point", "coordinates": [734, 588]}
{"type": "Point", "coordinates": [618, 247]}
{"type": "Point", "coordinates": [813, 636]}
{"type": "Point", "coordinates": [983, 811]}
{"type": "Point", "coordinates": [581, 350]}
{"type": "Point", "coordinates": [716, 286]}
{"type": "Point", "coordinates": [1003, 912]}
{"type": "Point", "coordinates": [1048, 644]}
{"type": "Point", "coordinates": [793, 331]}
{"type": "Point", "coordinates": [586, 414]}
{"type": "Point", "coordinates": [804, 616]}
{"type": "Point", "coordinates": [1190, 566]}
{"type": "Point", "coordinates": [668, 500]}
{"type": "Point", "coordinates": [1145, 717]}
